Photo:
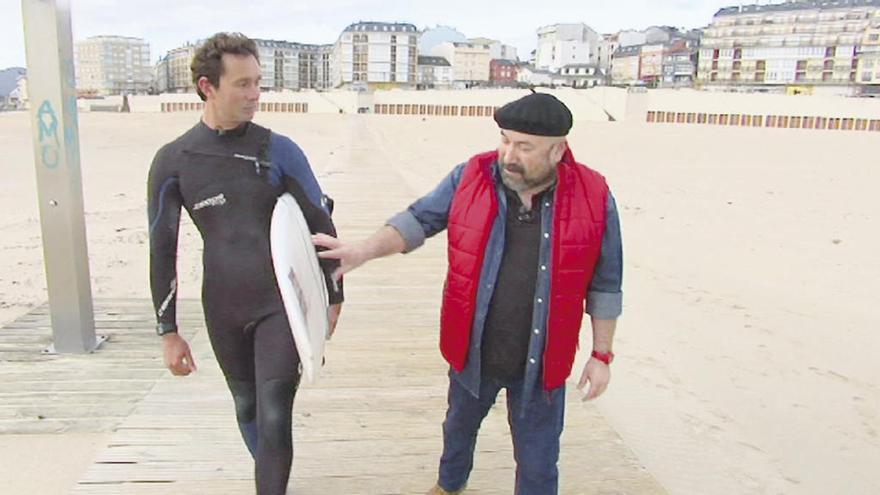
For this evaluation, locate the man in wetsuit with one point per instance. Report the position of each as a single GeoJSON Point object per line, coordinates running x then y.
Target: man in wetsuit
{"type": "Point", "coordinates": [227, 173]}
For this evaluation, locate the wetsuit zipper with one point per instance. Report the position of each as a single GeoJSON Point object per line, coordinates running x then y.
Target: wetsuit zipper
{"type": "Point", "coordinates": [258, 165]}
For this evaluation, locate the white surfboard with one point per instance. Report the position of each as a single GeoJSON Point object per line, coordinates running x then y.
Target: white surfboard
{"type": "Point", "coordinates": [301, 283]}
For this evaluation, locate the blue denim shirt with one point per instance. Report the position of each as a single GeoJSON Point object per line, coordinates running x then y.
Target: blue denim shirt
{"type": "Point", "coordinates": [429, 215]}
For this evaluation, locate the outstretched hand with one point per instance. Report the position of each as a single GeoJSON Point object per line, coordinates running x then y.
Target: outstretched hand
{"type": "Point", "coordinates": [350, 256]}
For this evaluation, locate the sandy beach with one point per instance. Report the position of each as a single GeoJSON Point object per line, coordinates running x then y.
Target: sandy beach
{"type": "Point", "coordinates": [747, 352]}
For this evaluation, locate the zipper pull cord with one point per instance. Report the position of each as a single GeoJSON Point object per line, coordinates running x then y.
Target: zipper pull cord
{"type": "Point", "coordinates": [250, 159]}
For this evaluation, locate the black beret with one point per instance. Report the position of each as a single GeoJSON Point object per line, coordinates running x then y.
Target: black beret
{"type": "Point", "coordinates": [539, 114]}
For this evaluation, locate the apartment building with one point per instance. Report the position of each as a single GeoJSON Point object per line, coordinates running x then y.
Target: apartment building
{"type": "Point", "coordinates": [680, 63]}
{"type": "Point", "coordinates": [173, 74]}
{"type": "Point", "coordinates": [503, 72]}
{"type": "Point", "coordinates": [605, 49]}
{"type": "Point", "coordinates": [376, 55]}
{"type": "Point", "coordinates": [284, 65]}
{"type": "Point", "coordinates": [580, 76]}
{"type": "Point", "coordinates": [113, 65]}
{"type": "Point", "coordinates": [497, 49]}
{"type": "Point", "coordinates": [470, 61]}
{"type": "Point", "coordinates": [803, 43]}
{"type": "Point", "coordinates": [626, 65]}
{"type": "Point", "coordinates": [564, 44]}
{"type": "Point", "coordinates": [434, 73]}
{"type": "Point", "coordinates": [868, 72]}
{"type": "Point", "coordinates": [287, 65]}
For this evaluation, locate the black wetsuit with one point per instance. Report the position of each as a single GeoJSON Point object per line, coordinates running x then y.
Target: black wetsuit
{"type": "Point", "coordinates": [229, 182]}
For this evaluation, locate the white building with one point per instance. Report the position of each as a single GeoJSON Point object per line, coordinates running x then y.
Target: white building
{"type": "Point", "coordinates": [10, 83]}
{"type": "Point", "coordinates": [287, 65]}
{"type": "Point", "coordinates": [315, 66]}
{"type": "Point", "coordinates": [869, 61]}
{"type": "Point", "coordinates": [435, 73]}
{"type": "Point", "coordinates": [529, 75]}
{"type": "Point", "coordinates": [579, 76]}
{"type": "Point", "coordinates": [284, 65]}
{"type": "Point", "coordinates": [173, 73]}
{"type": "Point", "coordinates": [431, 37]}
{"type": "Point", "coordinates": [565, 44]}
{"type": "Point", "coordinates": [113, 65]}
{"type": "Point", "coordinates": [630, 37]}
{"type": "Point", "coordinates": [470, 61]}
{"type": "Point", "coordinates": [606, 48]}
{"type": "Point", "coordinates": [19, 96]}
{"type": "Point", "coordinates": [376, 55]}
{"type": "Point", "coordinates": [497, 49]}
{"type": "Point", "coordinates": [804, 43]}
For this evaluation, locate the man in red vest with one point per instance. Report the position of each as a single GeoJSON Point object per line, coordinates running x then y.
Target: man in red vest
{"type": "Point", "coordinates": [534, 241]}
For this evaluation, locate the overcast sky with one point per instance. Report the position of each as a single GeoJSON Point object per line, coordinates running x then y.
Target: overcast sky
{"type": "Point", "coordinates": [166, 24]}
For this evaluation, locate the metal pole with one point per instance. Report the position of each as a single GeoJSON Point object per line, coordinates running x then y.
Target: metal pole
{"type": "Point", "coordinates": [49, 47]}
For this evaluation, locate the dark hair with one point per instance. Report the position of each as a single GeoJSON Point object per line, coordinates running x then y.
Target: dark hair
{"type": "Point", "coordinates": [208, 60]}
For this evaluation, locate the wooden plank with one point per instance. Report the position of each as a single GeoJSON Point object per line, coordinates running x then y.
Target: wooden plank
{"type": "Point", "coordinates": [42, 393]}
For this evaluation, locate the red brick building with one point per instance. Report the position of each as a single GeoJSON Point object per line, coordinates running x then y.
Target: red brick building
{"type": "Point", "coordinates": [502, 72]}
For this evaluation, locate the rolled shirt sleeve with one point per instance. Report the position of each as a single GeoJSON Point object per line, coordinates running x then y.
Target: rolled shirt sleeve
{"type": "Point", "coordinates": [605, 295]}
{"type": "Point", "coordinates": [429, 214]}
{"type": "Point", "coordinates": [409, 228]}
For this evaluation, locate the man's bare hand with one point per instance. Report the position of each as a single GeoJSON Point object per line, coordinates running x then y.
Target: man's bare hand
{"type": "Point", "coordinates": [177, 355]}
{"type": "Point", "coordinates": [597, 374]}
{"type": "Point", "coordinates": [350, 256]}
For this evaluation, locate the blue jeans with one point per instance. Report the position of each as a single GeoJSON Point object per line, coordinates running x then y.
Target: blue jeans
{"type": "Point", "coordinates": [535, 434]}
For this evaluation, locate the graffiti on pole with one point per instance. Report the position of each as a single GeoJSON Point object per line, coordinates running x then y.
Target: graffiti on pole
{"type": "Point", "coordinates": [69, 110]}
{"type": "Point", "coordinates": [47, 123]}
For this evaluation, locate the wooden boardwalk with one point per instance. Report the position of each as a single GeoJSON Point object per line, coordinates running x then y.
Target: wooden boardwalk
{"type": "Point", "coordinates": [45, 393]}
{"type": "Point", "coordinates": [371, 425]}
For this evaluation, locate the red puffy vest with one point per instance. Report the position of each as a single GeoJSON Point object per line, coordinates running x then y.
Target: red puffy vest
{"type": "Point", "coordinates": [576, 236]}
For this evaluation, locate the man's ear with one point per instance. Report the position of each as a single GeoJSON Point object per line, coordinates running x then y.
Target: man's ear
{"type": "Point", "coordinates": [205, 86]}
{"type": "Point", "coordinates": [558, 149]}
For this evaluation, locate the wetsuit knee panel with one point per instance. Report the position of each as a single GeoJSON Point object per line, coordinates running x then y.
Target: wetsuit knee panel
{"type": "Point", "coordinates": [276, 410]}
{"type": "Point", "coordinates": [244, 394]}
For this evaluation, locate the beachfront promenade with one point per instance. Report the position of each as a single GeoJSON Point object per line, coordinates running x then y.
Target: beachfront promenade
{"type": "Point", "coordinates": [371, 425]}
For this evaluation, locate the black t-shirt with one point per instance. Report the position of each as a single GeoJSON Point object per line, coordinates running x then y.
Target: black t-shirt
{"type": "Point", "coordinates": [507, 330]}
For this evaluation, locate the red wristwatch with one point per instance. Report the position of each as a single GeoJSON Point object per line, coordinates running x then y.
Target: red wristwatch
{"type": "Point", "coordinates": [605, 357]}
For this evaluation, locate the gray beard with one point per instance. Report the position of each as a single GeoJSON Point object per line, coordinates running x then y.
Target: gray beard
{"type": "Point", "coordinates": [522, 184]}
